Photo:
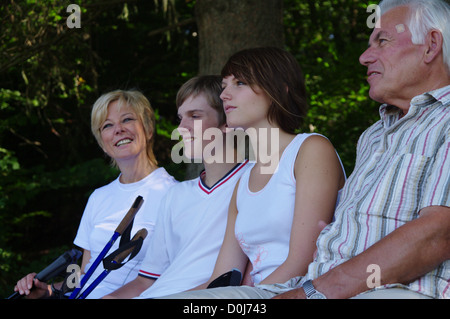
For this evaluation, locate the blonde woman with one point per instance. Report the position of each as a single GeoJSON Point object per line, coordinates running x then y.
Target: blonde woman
{"type": "Point", "coordinates": [123, 124]}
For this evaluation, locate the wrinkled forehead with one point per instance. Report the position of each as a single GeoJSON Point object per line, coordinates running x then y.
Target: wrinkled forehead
{"type": "Point", "coordinates": [395, 17]}
{"type": "Point", "coordinates": [393, 22]}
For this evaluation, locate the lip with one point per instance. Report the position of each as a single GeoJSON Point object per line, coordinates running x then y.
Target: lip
{"type": "Point", "coordinates": [372, 73]}
{"type": "Point", "coordinates": [229, 108]}
{"type": "Point", "coordinates": [188, 139]}
{"type": "Point", "coordinates": [123, 141]}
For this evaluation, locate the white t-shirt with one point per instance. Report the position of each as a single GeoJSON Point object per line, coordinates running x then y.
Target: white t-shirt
{"type": "Point", "coordinates": [189, 234]}
{"type": "Point", "coordinates": [264, 219]}
{"type": "Point", "coordinates": [104, 211]}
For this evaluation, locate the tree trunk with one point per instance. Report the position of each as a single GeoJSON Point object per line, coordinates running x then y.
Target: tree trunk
{"type": "Point", "coordinates": [227, 26]}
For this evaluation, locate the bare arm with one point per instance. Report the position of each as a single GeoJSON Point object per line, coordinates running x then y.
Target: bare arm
{"type": "Point", "coordinates": [319, 177]}
{"type": "Point", "coordinates": [404, 255]}
{"type": "Point", "coordinates": [132, 289]}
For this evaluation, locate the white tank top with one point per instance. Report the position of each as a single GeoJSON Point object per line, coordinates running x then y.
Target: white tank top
{"type": "Point", "coordinates": [264, 219]}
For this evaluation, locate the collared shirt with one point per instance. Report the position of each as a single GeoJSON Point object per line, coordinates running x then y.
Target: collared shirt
{"type": "Point", "coordinates": [402, 166]}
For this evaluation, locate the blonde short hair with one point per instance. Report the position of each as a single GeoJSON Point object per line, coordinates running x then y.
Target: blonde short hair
{"type": "Point", "coordinates": [140, 105]}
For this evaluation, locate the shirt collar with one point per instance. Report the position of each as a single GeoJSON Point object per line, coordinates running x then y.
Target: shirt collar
{"type": "Point", "coordinates": [388, 113]}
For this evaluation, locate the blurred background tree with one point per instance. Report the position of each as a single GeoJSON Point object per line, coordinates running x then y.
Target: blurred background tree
{"type": "Point", "coordinates": [50, 75]}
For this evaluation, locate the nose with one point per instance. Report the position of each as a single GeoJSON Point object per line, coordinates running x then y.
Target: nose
{"type": "Point", "coordinates": [367, 57]}
{"type": "Point", "coordinates": [118, 128]}
{"type": "Point", "coordinates": [184, 128]}
{"type": "Point", "coordinates": [183, 132]}
{"type": "Point", "coordinates": [225, 95]}
{"type": "Point", "coordinates": [182, 124]}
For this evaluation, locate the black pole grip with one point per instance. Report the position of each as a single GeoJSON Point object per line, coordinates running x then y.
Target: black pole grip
{"type": "Point", "coordinates": [54, 269]}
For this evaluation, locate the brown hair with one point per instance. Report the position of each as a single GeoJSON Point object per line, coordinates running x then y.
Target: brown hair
{"type": "Point", "coordinates": [279, 75]}
{"type": "Point", "coordinates": [210, 86]}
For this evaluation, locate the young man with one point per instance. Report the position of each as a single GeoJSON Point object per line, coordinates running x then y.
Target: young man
{"type": "Point", "coordinates": [189, 234]}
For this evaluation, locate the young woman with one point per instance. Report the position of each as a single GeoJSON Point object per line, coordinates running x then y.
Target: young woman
{"type": "Point", "coordinates": [123, 124]}
{"type": "Point", "coordinates": [278, 205]}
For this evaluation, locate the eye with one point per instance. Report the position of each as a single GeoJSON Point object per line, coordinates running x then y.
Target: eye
{"type": "Point", "coordinates": [127, 119]}
{"type": "Point", "coordinates": [105, 126]}
{"type": "Point", "coordinates": [240, 83]}
{"type": "Point", "coordinates": [381, 41]}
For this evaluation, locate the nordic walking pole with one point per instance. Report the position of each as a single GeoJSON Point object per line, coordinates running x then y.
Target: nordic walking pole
{"type": "Point", "coordinates": [54, 269]}
{"type": "Point", "coordinates": [117, 260]}
{"type": "Point", "coordinates": [119, 230]}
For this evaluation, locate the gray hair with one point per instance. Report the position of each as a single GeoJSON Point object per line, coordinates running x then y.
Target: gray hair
{"type": "Point", "coordinates": [425, 15]}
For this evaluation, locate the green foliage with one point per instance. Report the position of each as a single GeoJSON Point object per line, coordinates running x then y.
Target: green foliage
{"type": "Point", "coordinates": [327, 37]}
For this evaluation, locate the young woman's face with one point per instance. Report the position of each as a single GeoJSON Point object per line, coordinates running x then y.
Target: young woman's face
{"type": "Point", "coordinates": [244, 106]}
{"type": "Point", "coordinates": [123, 134]}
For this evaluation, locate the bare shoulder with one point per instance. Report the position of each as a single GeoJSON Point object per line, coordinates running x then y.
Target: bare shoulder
{"type": "Point", "coordinates": [318, 155]}
{"type": "Point", "coordinates": [316, 146]}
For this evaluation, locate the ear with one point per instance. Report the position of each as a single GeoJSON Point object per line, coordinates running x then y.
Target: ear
{"type": "Point", "coordinates": [433, 44]}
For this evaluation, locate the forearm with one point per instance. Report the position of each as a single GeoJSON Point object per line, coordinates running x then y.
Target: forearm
{"type": "Point", "coordinates": [403, 256]}
{"type": "Point", "coordinates": [286, 271]}
{"type": "Point", "coordinates": [406, 254]}
{"type": "Point", "coordinates": [132, 289]}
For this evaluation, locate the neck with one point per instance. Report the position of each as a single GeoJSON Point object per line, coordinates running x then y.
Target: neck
{"type": "Point", "coordinates": [134, 171]}
{"type": "Point", "coordinates": [216, 169]}
{"type": "Point", "coordinates": [269, 144]}
{"type": "Point", "coordinates": [433, 82]}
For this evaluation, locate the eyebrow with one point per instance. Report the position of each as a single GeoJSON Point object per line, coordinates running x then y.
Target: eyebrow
{"type": "Point", "coordinates": [378, 36]}
{"type": "Point", "coordinates": [190, 112]}
{"type": "Point", "coordinates": [122, 116]}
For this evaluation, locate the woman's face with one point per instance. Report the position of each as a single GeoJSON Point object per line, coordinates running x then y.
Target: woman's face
{"type": "Point", "coordinates": [244, 106]}
{"type": "Point", "coordinates": [123, 134]}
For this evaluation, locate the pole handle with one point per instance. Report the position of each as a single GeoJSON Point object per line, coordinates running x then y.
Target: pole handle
{"type": "Point", "coordinates": [130, 215]}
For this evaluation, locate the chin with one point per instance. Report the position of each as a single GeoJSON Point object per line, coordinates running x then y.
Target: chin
{"type": "Point", "coordinates": [234, 125]}
{"type": "Point", "coordinates": [193, 155]}
{"type": "Point", "coordinates": [376, 96]}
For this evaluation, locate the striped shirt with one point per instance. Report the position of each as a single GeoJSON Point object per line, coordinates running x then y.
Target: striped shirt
{"type": "Point", "coordinates": [402, 166]}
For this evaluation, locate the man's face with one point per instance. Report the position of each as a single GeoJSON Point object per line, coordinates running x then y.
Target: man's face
{"type": "Point", "coordinates": [393, 61]}
{"type": "Point", "coordinates": [196, 116]}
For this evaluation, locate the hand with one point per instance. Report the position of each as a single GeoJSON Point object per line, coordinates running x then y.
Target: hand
{"type": "Point", "coordinates": [32, 288]}
{"type": "Point", "coordinates": [297, 293]}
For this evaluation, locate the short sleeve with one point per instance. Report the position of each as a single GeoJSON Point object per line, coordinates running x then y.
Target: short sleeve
{"type": "Point", "coordinates": [85, 227]}
{"type": "Point", "coordinates": [157, 257]}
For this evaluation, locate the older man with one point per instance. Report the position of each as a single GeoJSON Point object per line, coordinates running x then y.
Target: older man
{"type": "Point", "coordinates": [392, 226]}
